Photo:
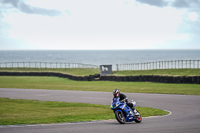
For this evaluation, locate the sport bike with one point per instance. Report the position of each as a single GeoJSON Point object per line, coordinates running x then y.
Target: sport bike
{"type": "Point", "coordinates": [123, 112]}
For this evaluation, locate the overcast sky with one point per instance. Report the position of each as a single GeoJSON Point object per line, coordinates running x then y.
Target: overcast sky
{"type": "Point", "coordinates": [99, 24]}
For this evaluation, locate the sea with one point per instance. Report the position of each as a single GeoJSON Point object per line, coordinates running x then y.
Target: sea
{"type": "Point", "coordinates": [97, 57]}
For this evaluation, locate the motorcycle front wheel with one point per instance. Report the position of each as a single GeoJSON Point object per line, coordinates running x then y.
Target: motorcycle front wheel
{"type": "Point", "coordinates": [138, 118]}
{"type": "Point", "coordinates": [120, 117]}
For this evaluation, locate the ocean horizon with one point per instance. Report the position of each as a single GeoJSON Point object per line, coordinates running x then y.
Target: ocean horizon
{"type": "Point", "coordinates": [97, 57]}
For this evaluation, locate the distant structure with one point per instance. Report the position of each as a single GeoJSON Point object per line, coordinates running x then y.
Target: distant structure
{"type": "Point", "coordinates": [105, 69]}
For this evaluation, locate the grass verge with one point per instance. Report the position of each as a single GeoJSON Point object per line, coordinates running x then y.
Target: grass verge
{"type": "Point", "coordinates": [55, 83]}
{"type": "Point", "coordinates": [17, 111]}
{"type": "Point", "coordinates": [71, 71]}
{"type": "Point", "coordinates": [166, 72]}
{"type": "Point", "coordinates": [92, 71]}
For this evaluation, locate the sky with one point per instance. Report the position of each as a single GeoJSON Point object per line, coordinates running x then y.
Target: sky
{"type": "Point", "coordinates": [99, 24]}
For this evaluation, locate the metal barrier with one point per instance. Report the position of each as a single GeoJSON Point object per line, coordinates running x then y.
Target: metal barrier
{"type": "Point", "coordinates": [45, 65]}
{"type": "Point", "coordinates": [175, 64]}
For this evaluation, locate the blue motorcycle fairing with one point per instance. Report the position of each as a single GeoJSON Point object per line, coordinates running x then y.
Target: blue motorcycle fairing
{"type": "Point", "coordinates": [122, 106]}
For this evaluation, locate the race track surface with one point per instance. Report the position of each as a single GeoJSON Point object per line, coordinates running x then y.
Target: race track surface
{"type": "Point", "coordinates": [185, 116]}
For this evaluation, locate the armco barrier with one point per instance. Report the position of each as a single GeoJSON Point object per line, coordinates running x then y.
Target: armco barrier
{"type": "Point", "coordinates": [142, 78]}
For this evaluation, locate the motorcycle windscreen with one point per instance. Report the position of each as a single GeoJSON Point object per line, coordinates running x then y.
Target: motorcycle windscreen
{"type": "Point", "coordinates": [115, 100]}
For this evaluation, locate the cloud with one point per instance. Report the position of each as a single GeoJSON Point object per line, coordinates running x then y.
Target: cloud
{"type": "Point", "coordinates": [20, 5]}
{"type": "Point", "coordinates": [173, 3]}
{"type": "Point", "coordinates": [189, 28]}
{"type": "Point", "coordinates": [159, 3]}
{"type": "Point", "coordinates": [191, 7]}
{"type": "Point", "coordinates": [186, 4]}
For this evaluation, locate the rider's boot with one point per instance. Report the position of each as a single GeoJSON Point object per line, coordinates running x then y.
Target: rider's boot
{"type": "Point", "coordinates": [135, 111]}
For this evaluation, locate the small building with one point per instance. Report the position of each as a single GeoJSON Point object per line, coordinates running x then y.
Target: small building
{"type": "Point", "coordinates": [105, 69]}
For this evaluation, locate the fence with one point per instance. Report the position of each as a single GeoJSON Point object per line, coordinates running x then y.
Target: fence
{"type": "Point", "coordinates": [45, 65]}
{"type": "Point", "coordinates": [176, 64]}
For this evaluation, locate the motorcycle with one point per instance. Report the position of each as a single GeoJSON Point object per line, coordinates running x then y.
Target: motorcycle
{"type": "Point", "coordinates": [123, 112]}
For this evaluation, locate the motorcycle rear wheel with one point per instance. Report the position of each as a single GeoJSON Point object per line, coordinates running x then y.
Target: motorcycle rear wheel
{"type": "Point", "coordinates": [120, 117]}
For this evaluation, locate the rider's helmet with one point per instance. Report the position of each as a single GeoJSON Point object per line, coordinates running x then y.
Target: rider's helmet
{"type": "Point", "coordinates": [116, 93]}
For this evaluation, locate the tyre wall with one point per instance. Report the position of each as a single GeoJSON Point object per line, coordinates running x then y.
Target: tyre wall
{"type": "Point", "coordinates": [158, 79]}
{"type": "Point", "coordinates": [96, 77]}
{"type": "Point", "coordinates": [52, 74]}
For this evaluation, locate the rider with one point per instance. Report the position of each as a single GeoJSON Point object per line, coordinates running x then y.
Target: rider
{"type": "Point", "coordinates": [116, 93]}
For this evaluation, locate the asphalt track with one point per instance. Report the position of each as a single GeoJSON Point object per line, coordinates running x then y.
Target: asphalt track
{"type": "Point", "coordinates": [184, 117]}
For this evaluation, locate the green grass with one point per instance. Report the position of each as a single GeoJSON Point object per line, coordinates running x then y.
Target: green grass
{"type": "Point", "coordinates": [55, 83]}
{"type": "Point", "coordinates": [71, 71]}
{"type": "Point", "coordinates": [16, 111]}
{"type": "Point", "coordinates": [92, 71]}
{"type": "Point", "coordinates": [168, 72]}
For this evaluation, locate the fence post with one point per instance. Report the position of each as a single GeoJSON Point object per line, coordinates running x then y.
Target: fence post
{"type": "Point", "coordinates": [147, 66]}
{"type": "Point", "coordinates": [153, 65]}
{"type": "Point", "coordinates": [131, 66]}
{"type": "Point", "coordinates": [137, 67]}
{"type": "Point", "coordinates": [175, 64]}
{"type": "Point", "coordinates": [179, 64]}
{"type": "Point", "coordinates": [182, 64]}
{"type": "Point", "coordinates": [186, 63]}
{"type": "Point", "coordinates": [168, 64]}
{"type": "Point", "coordinates": [144, 65]}
{"type": "Point", "coordinates": [172, 64]}
{"type": "Point", "coordinates": [193, 63]}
